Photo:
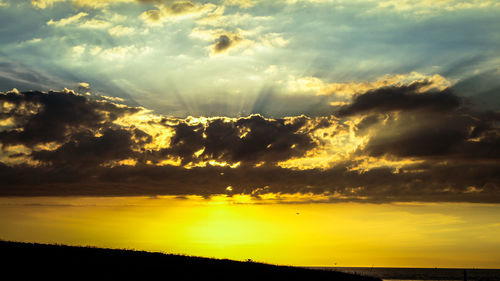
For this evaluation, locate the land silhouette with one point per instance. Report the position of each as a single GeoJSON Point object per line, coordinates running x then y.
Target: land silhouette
{"type": "Point", "coordinates": [31, 261]}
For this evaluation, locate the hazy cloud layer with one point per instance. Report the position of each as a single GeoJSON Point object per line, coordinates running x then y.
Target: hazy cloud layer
{"type": "Point", "coordinates": [395, 143]}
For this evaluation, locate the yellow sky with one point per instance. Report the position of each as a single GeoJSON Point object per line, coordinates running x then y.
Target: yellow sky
{"type": "Point", "coordinates": [348, 234]}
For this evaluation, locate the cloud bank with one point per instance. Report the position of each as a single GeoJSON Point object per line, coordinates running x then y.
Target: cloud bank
{"type": "Point", "coordinates": [398, 143]}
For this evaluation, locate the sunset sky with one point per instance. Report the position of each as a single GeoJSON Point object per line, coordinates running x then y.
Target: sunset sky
{"type": "Point", "coordinates": [301, 132]}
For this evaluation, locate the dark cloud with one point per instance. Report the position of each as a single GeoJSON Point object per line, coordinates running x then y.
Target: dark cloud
{"type": "Point", "coordinates": [247, 140]}
{"type": "Point", "coordinates": [181, 7]}
{"type": "Point", "coordinates": [53, 117]}
{"type": "Point", "coordinates": [168, 8]}
{"type": "Point", "coordinates": [456, 182]}
{"type": "Point", "coordinates": [255, 139]}
{"type": "Point", "coordinates": [153, 15]}
{"type": "Point", "coordinates": [450, 136]}
{"type": "Point", "coordinates": [85, 149]}
{"type": "Point", "coordinates": [401, 98]}
{"type": "Point", "coordinates": [457, 149]}
{"type": "Point", "coordinates": [407, 123]}
{"type": "Point", "coordinates": [186, 141]}
{"type": "Point", "coordinates": [224, 42]}
{"type": "Point", "coordinates": [84, 130]}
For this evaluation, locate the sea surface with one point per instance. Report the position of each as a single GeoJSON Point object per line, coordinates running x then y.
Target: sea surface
{"type": "Point", "coordinates": [434, 274]}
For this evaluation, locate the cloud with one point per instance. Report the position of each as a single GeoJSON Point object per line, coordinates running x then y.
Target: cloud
{"type": "Point", "coordinates": [425, 7]}
{"type": "Point", "coordinates": [394, 98]}
{"type": "Point", "coordinates": [53, 117]}
{"type": "Point", "coordinates": [175, 5]}
{"type": "Point", "coordinates": [241, 3]}
{"type": "Point", "coordinates": [42, 4]}
{"type": "Point", "coordinates": [404, 122]}
{"type": "Point", "coordinates": [16, 75]}
{"type": "Point", "coordinates": [152, 16]}
{"type": "Point", "coordinates": [68, 20]}
{"type": "Point", "coordinates": [450, 183]}
{"type": "Point", "coordinates": [97, 3]}
{"type": "Point", "coordinates": [108, 54]}
{"type": "Point", "coordinates": [430, 7]}
{"type": "Point", "coordinates": [121, 30]}
{"type": "Point", "coordinates": [223, 43]}
{"type": "Point", "coordinates": [68, 123]}
{"type": "Point", "coordinates": [452, 136]}
{"type": "Point", "coordinates": [349, 89]}
{"type": "Point", "coordinates": [94, 23]}
{"type": "Point", "coordinates": [120, 52]}
{"type": "Point", "coordinates": [413, 146]}
{"type": "Point", "coordinates": [172, 10]}
{"type": "Point", "coordinates": [86, 149]}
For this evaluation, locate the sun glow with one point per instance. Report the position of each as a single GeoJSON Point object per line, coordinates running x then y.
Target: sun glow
{"type": "Point", "coordinates": [240, 228]}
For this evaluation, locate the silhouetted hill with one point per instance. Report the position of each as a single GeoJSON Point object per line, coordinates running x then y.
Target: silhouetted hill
{"type": "Point", "coordinates": [26, 261]}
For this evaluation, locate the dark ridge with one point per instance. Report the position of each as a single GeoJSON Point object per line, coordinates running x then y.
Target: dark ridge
{"type": "Point", "coordinates": [27, 261]}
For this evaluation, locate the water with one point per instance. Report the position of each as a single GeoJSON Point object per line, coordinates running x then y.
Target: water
{"type": "Point", "coordinates": [428, 274]}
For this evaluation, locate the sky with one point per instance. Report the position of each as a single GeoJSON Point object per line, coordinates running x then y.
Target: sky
{"type": "Point", "coordinates": [303, 132]}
